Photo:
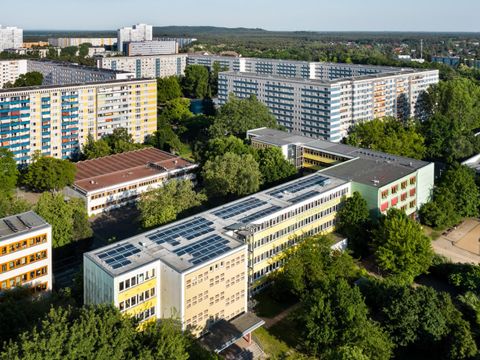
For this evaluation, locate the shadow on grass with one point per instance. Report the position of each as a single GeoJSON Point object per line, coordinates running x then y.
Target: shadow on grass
{"type": "Point", "coordinates": [269, 307]}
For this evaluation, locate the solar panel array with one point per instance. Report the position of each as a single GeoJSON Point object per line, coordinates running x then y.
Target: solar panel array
{"type": "Point", "coordinates": [205, 249]}
{"type": "Point", "coordinates": [189, 230]}
{"type": "Point", "coordinates": [118, 256]}
{"type": "Point", "coordinates": [299, 186]}
{"type": "Point", "coordinates": [238, 208]}
{"type": "Point", "coordinates": [305, 196]}
{"type": "Point", "coordinates": [260, 214]}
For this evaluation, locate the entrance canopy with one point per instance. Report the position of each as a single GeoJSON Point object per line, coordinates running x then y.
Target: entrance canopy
{"type": "Point", "coordinates": [225, 333]}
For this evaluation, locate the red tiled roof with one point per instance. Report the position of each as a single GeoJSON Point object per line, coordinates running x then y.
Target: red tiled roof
{"type": "Point", "coordinates": [120, 168]}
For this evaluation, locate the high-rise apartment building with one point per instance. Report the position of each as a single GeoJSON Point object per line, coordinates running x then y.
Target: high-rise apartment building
{"type": "Point", "coordinates": [10, 38]}
{"type": "Point", "coordinates": [66, 42]}
{"type": "Point", "coordinates": [10, 70]}
{"type": "Point", "coordinates": [56, 120]}
{"type": "Point", "coordinates": [153, 66]}
{"type": "Point", "coordinates": [154, 47]}
{"type": "Point", "coordinates": [25, 252]}
{"type": "Point", "coordinates": [139, 32]}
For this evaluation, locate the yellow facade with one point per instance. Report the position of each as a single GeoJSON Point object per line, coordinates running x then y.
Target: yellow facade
{"type": "Point", "coordinates": [216, 291]}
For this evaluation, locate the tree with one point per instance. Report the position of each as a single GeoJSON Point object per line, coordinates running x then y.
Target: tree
{"type": "Point", "coordinates": [273, 165]}
{"type": "Point", "coordinates": [168, 88]}
{"type": "Point", "coordinates": [164, 204]}
{"type": "Point", "coordinates": [176, 112]}
{"type": "Point", "coordinates": [47, 173]}
{"type": "Point", "coordinates": [8, 171]}
{"type": "Point", "coordinates": [334, 316]}
{"type": "Point", "coordinates": [33, 78]}
{"type": "Point", "coordinates": [239, 115]}
{"type": "Point", "coordinates": [388, 135]}
{"type": "Point", "coordinates": [195, 81]}
{"type": "Point", "coordinates": [400, 246]}
{"type": "Point", "coordinates": [120, 140]}
{"type": "Point", "coordinates": [353, 222]}
{"type": "Point", "coordinates": [67, 218]}
{"type": "Point", "coordinates": [11, 205]}
{"type": "Point", "coordinates": [455, 196]}
{"type": "Point", "coordinates": [213, 77]}
{"type": "Point", "coordinates": [220, 146]}
{"type": "Point", "coordinates": [164, 138]}
{"type": "Point", "coordinates": [231, 174]}
{"type": "Point", "coordinates": [453, 113]}
{"type": "Point", "coordinates": [311, 264]}
{"type": "Point", "coordinates": [95, 148]}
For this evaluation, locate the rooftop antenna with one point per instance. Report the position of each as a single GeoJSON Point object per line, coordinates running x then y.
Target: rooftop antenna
{"type": "Point", "coordinates": [421, 48]}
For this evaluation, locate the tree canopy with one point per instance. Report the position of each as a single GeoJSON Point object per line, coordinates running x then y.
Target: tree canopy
{"type": "Point", "coordinates": [455, 196]}
{"type": "Point", "coordinates": [47, 173]}
{"type": "Point", "coordinates": [68, 218]}
{"type": "Point", "coordinates": [239, 115]}
{"type": "Point", "coordinates": [400, 246]}
{"type": "Point", "coordinates": [231, 174]}
{"type": "Point", "coordinates": [95, 148]}
{"type": "Point", "coordinates": [273, 165]}
{"type": "Point", "coordinates": [32, 78]}
{"type": "Point", "coordinates": [164, 204]}
{"type": "Point", "coordinates": [8, 171]}
{"type": "Point", "coordinates": [120, 140]}
{"type": "Point", "coordinates": [389, 135]}
{"type": "Point", "coordinates": [168, 88]}
{"type": "Point", "coordinates": [195, 81]}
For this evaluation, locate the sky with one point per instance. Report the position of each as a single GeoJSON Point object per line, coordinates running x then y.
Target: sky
{"type": "Point", "coordinates": [314, 15]}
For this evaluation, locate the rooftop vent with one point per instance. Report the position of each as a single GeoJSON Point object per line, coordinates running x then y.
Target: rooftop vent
{"type": "Point", "coordinates": [10, 225]}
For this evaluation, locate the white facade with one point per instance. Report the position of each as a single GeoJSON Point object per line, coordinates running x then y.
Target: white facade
{"type": "Point", "coordinates": [154, 47]}
{"type": "Point", "coordinates": [10, 70]}
{"type": "Point", "coordinates": [25, 252]}
{"type": "Point", "coordinates": [10, 38]}
{"type": "Point", "coordinates": [66, 42]}
{"type": "Point", "coordinates": [146, 66]}
{"type": "Point", "coordinates": [139, 32]}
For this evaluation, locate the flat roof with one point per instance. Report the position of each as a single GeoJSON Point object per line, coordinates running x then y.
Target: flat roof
{"type": "Point", "coordinates": [364, 166]}
{"type": "Point", "coordinates": [12, 226]}
{"type": "Point", "coordinates": [297, 79]}
{"type": "Point", "coordinates": [92, 83]}
{"type": "Point", "coordinates": [64, 64]}
{"type": "Point", "coordinates": [96, 174]}
{"type": "Point", "coordinates": [193, 241]}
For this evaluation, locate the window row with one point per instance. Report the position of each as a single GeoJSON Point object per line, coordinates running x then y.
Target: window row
{"type": "Point", "coordinates": [197, 299]}
{"type": "Point", "coordinates": [235, 279]}
{"type": "Point", "coordinates": [136, 299]}
{"type": "Point", "coordinates": [217, 279]}
{"type": "Point", "coordinates": [23, 244]}
{"type": "Point", "coordinates": [14, 264]}
{"type": "Point", "coordinates": [136, 280]}
{"type": "Point", "coordinates": [235, 297]}
{"type": "Point", "coordinates": [217, 298]}
{"type": "Point", "coordinates": [20, 280]}
{"type": "Point", "coordinates": [298, 225]}
{"type": "Point", "coordinates": [144, 315]}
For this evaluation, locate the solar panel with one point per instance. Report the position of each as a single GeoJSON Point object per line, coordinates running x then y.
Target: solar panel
{"type": "Point", "coordinates": [205, 249]}
{"type": "Point", "coordinates": [117, 257]}
{"type": "Point", "coordinates": [305, 196]}
{"type": "Point", "coordinates": [299, 186]}
{"type": "Point", "coordinates": [230, 211]}
{"type": "Point", "coordinates": [189, 230]}
{"type": "Point", "coordinates": [260, 214]}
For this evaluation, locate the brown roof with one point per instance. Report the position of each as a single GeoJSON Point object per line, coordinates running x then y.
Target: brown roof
{"type": "Point", "coordinates": [120, 168]}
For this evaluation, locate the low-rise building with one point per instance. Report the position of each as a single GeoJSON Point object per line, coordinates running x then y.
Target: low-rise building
{"type": "Point", "coordinates": [113, 181]}
{"type": "Point", "coordinates": [384, 180]}
{"type": "Point", "coordinates": [153, 66]}
{"type": "Point", "coordinates": [25, 252]}
{"type": "Point", "coordinates": [204, 268]}
{"type": "Point", "coordinates": [66, 42]}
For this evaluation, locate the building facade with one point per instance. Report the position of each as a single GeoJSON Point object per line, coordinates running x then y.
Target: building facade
{"type": "Point", "coordinates": [205, 267]}
{"type": "Point", "coordinates": [10, 37]}
{"type": "Point", "coordinates": [66, 42]}
{"type": "Point", "coordinates": [154, 47]}
{"type": "Point", "coordinates": [326, 109]}
{"type": "Point", "coordinates": [154, 66]}
{"type": "Point", "coordinates": [56, 72]}
{"type": "Point", "coordinates": [56, 120]}
{"type": "Point", "coordinates": [114, 181]}
{"type": "Point", "coordinates": [139, 32]}
{"type": "Point", "coordinates": [25, 252]}
{"type": "Point", "coordinates": [10, 70]}
{"type": "Point", "coordinates": [384, 180]}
